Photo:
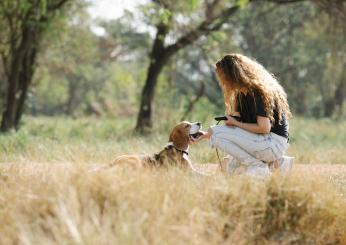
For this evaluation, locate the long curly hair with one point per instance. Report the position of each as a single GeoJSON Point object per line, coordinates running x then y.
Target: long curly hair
{"type": "Point", "coordinates": [238, 74]}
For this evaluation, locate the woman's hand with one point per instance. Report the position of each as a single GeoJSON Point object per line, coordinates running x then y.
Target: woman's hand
{"type": "Point", "coordinates": [231, 121]}
{"type": "Point", "coordinates": [205, 135]}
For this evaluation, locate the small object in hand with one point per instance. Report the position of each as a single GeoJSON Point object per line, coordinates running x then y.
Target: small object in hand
{"type": "Point", "coordinates": [196, 136]}
{"type": "Point", "coordinates": [224, 118]}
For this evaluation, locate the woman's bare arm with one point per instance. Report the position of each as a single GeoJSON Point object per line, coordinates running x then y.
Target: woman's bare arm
{"type": "Point", "coordinates": [262, 126]}
{"type": "Point", "coordinates": [236, 114]}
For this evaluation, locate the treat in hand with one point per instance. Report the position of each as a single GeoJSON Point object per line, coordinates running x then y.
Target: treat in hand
{"type": "Point", "coordinates": [224, 118]}
{"type": "Point", "coordinates": [201, 135]}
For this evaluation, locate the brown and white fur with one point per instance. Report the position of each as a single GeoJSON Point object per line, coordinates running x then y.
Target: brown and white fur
{"type": "Point", "coordinates": [175, 153]}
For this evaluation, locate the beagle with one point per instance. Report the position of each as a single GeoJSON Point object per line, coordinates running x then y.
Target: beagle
{"type": "Point", "coordinates": [175, 153]}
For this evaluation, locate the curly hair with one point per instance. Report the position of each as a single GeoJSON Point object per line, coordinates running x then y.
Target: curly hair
{"type": "Point", "coordinates": [239, 74]}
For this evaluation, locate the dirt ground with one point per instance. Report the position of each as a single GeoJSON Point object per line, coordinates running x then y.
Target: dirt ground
{"type": "Point", "coordinates": [331, 170]}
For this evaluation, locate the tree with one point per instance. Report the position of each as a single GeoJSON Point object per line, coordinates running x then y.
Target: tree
{"type": "Point", "coordinates": [79, 72]}
{"type": "Point", "coordinates": [336, 61]}
{"type": "Point", "coordinates": [172, 18]}
{"type": "Point", "coordinates": [25, 23]}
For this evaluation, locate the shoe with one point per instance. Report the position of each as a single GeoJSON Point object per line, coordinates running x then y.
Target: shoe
{"type": "Point", "coordinates": [232, 166]}
{"type": "Point", "coordinates": [284, 164]}
{"type": "Point", "coordinates": [259, 172]}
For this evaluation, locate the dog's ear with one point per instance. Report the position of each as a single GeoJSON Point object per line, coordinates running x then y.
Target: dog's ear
{"type": "Point", "coordinates": [180, 138]}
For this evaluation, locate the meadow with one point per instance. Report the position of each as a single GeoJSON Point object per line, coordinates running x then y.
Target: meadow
{"type": "Point", "coordinates": [94, 140]}
{"type": "Point", "coordinates": [49, 195]}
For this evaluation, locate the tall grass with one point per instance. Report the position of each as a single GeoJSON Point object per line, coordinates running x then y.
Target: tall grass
{"type": "Point", "coordinates": [54, 204]}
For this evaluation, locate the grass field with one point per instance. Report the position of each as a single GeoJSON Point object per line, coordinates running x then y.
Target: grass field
{"type": "Point", "coordinates": [92, 140]}
{"type": "Point", "coordinates": [49, 196]}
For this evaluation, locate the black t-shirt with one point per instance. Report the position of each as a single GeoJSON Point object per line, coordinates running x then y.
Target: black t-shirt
{"type": "Point", "coordinates": [251, 105]}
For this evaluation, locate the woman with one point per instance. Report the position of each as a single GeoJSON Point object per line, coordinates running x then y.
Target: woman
{"type": "Point", "coordinates": [260, 137]}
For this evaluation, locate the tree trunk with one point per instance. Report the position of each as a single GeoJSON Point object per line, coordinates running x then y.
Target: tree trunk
{"type": "Point", "coordinates": [144, 117]}
{"type": "Point", "coordinates": [25, 77]}
{"type": "Point", "coordinates": [329, 107]}
{"type": "Point", "coordinates": [19, 78]}
{"type": "Point", "coordinates": [72, 87]}
{"type": "Point", "coordinates": [338, 99]}
{"type": "Point", "coordinates": [9, 115]}
{"type": "Point", "coordinates": [158, 58]}
{"type": "Point", "coordinates": [340, 92]}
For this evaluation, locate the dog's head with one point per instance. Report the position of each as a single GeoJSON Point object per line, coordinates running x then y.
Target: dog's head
{"type": "Point", "coordinates": [183, 132]}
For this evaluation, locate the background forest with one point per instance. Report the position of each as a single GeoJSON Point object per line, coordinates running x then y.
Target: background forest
{"type": "Point", "coordinates": [87, 66]}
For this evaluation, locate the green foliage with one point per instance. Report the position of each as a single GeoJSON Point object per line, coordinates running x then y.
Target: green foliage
{"type": "Point", "coordinates": [164, 15]}
{"type": "Point", "coordinates": [242, 3]}
{"type": "Point", "coordinates": [81, 73]}
{"type": "Point", "coordinates": [50, 139]}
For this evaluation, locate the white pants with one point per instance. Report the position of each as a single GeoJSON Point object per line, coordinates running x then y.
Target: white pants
{"type": "Point", "coordinates": [249, 150]}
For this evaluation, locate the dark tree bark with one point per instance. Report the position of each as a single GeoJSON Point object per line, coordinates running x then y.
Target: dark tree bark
{"type": "Point", "coordinates": [72, 86]}
{"type": "Point", "coordinates": [20, 76]}
{"type": "Point", "coordinates": [25, 77]}
{"type": "Point", "coordinates": [337, 101]}
{"type": "Point", "coordinates": [158, 58]}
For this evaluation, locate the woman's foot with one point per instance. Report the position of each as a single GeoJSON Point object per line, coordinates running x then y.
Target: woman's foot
{"type": "Point", "coordinates": [235, 167]}
{"type": "Point", "coordinates": [284, 164]}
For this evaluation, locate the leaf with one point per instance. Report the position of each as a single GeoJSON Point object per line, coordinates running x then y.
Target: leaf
{"type": "Point", "coordinates": [194, 4]}
{"type": "Point", "coordinates": [242, 3]}
{"type": "Point", "coordinates": [43, 6]}
{"type": "Point", "coordinates": [165, 15]}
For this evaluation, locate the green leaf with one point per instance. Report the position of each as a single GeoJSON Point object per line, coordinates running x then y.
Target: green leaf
{"type": "Point", "coordinates": [43, 7]}
{"type": "Point", "coordinates": [165, 15]}
{"type": "Point", "coordinates": [194, 4]}
{"type": "Point", "coordinates": [242, 3]}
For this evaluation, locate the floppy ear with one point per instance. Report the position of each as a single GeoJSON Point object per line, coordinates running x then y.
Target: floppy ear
{"type": "Point", "coordinates": [180, 138]}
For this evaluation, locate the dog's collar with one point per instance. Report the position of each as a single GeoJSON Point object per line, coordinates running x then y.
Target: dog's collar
{"type": "Point", "coordinates": [172, 145]}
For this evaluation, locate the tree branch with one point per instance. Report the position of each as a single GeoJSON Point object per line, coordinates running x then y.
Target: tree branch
{"type": "Point", "coordinates": [162, 3]}
{"type": "Point", "coordinates": [285, 1]}
{"type": "Point", "coordinates": [57, 5]}
{"type": "Point", "coordinates": [210, 7]}
{"type": "Point", "coordinates": [192, 102]}
{"type": "Point", "coordinates": [205, 27]}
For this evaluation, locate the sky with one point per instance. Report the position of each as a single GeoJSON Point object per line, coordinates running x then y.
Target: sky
{"type": "Point", "coordinates": [111, 9]}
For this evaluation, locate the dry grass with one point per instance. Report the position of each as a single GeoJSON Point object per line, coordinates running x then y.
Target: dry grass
{"type": "Point", "coordinates": [67, 204]}
{"type": "Point", "coordinates": [61, 202]}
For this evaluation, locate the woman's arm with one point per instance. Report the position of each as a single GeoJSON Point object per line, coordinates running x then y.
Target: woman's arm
{"type": "Point", "coordinates": [262, 126]}
{"type": "Point", "coordinates": [236, 113]}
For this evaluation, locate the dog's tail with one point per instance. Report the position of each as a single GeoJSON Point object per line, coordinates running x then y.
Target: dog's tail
{"type": "Point", "coordinates": [131, 160]}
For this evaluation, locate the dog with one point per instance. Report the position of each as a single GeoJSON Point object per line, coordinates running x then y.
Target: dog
{"type": "Point", "coordinates": [175, 153]}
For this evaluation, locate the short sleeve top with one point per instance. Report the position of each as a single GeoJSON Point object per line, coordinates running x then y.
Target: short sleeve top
{"type": "Point", "coordinates": [251, 105]}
